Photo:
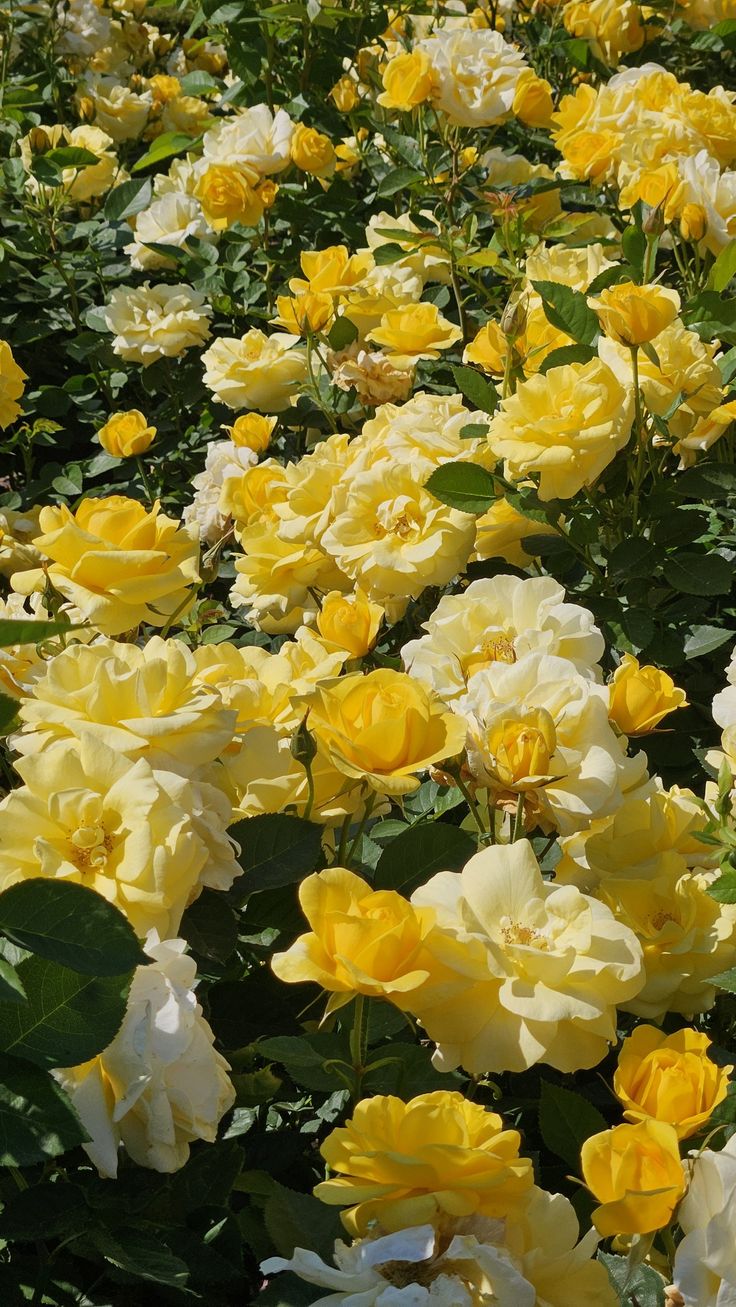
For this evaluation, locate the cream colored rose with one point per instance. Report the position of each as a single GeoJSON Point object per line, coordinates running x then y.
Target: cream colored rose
{"type": "Point", "coordinates": [305, 511]}
{"type": "Point", "coordinates": [21, 664]}
{"type": "Point", "coordinates": [224, 459]}
{"type": "Point", "coordinates": [89, 815]}
{"type": "Point", "coordinates": [704, 1271]}
{"type": "Point", "coordinates": [161, 1084]}
{"type": "Point", "coordinates": [153, 322]}
{"type": "Point", "coordinates": [501, 619]}
{"type": "Point", "coordinates": [427, 426]}
{"type": "Point", "coordinates": [566, 426]}
{"type": "Point", "coordinates": [255, 138]}
{"type": "Point", "coordinates": [476, 75]}
{"type": "Point", "coordinates": [171, 220]}
{"type": "Point", "coordinates": [277, 579]}
{"type": "Point", "coordinates": [541, 710]}
{"type": "Point", "coordinates": [120, 112]}
{"type": "Point", "coordinates": [686, 370]}
{"type": "Point", "coordinates": [392, 536]}
{"type": "Point", "coordinates": [256, 371]}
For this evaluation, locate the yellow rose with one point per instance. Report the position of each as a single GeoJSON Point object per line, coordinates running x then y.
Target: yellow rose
{"type": "Point", "coordinates": [227, 195]}
{"type": "Point", "coordinates": [126, 435]}
{"type": "Point", "coordinates": [350, 622]}
{"type": "Point", "coordinates": [344, 94]}
{"type": "Point", "coordinates": [669, 1078]}
{"type": "Point", "coordinates": [533, 100]}
{"type": "Point", "coordinates": [641, 696]}
{"type": "Point", "coordinates": [164, 88]}
{"type": "Point", "coordinates": [488, 349]}
{"type": "Point", "coordinates": [418, 331]}
{"type": "Point", "coordinates": [12, 380]}
{"type": "Point", "coordinates": [312, 151]}
{"type": "Point", "coordinates": [501, 530]}
{"type": "Point", "coordinates": [255, 371]}
{"type": "Point", "coordinates": [267, 190]}
{"type": "Point", "coordinates": [17, 532]}
{"type": "Point", "coordinates": [404, 1164]}
{"type": "Point", "coordinates": [635, 1173]}
{"type": "Point", "coordinates": [408, 80]}
{"type": "Point", "coordinates": [252, 431]}
{"type": "Point", "coordinates": [117, 563]}
{"type": "Point", "coordinates": [383, 728]}
{"type": "Point", "coordinates": [253, 496]}
{"type": "Point", "coordinates": [363, 941]}
{"type": "Point", "coordinates": [693, 222]}
{"type": "Point", "coordinates": [659, 188]}
{"type": "Point", "coordinates": [305, 312]}
{"type": "Point", "coordinates": [566, 425]}
{"type": "Point", "coordinates": [633, 315]}
{"type": "Point", "coordinates": [279, 580]}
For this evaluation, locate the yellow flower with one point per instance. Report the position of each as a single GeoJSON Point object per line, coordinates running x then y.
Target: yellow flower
{"type": "Point", "coordinates": [17, 532]}
{"type": "Point", "coordinates": [383, 728]}
{"type": "Point", "coordinates": [669, 1078]}
{"type": "Point", "coordinates": [635, 1173]}
{"type": "Point", "coordinates": [253, 496]}
{"type": "Point", "coordinates": [404, 1164]}
{"type": "Point", "coordinates": [256, 371]}
{"type": "Point", "coordinates": [418, 331]}
{"type": "Point", "coordinates": [533, 100]}
{"type": "Point", "coordinates": [115, 562]}
{"type": "Point", "coordinates": [693, 222]}
{"type": "Point", "coordinates": [522, 970]}
{"type": "Point", "coordinates": [501, 531]}
{"type": "Point", "coordinates": [125, 435]}
{"type": "Point", "coordinates": [304, 312]}
{"type": "Point", "coordinates": [363, 941]}
{"type": "Point", "coordinates": [12, 380]}
{"type": "Point", "coordinates": [344, 94]}
{"type": "Point", "coordinates": [90, 815]}
{"type": "Point", "coordinates": [267, 190]}
{"type": "Point", "coordinates": [659, 188]}
{"type": "Point", "coordinates": [633, 315]}
{"type": "Point", "coordinates": [350, 622]}
{"type": "Point", "coordinates": [227, 195]}
{"type": "Point", "coordinates": [641, 696]}
{"type": "Point", "coordinates": [164, 88]}
{"type": "Point", "coordinates": [566, 425]}
{"type": "Point", "coordinates": [252, 431]}
{"type": "Point", "coordinates": [408, 80]}
{"type": "Point", "coordinates": [488, 349]}
{"type": "Point", "coordinates": [614, 27]}
{"type": "Point", "coordinates": [312, 151]}
{"type": "Point", "coordinates": [277, 578]}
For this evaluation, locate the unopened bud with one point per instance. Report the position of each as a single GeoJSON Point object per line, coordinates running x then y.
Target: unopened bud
{"type": "Point", "coordinates": [38, 140]}
{"type": "Point", "coordinates": [513, 319]}
{"type": "Point", "coordinates": [693, 222]}
{"type": "Point", "coordinates": [303, 747]}
{"type": "Point", "coordinates": [654, 223]}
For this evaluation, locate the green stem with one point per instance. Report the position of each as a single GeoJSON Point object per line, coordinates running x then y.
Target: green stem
{"type": "Point", "coordinates": [367, 810]}
{"type": "Point", "coordinates": [359, 1042]}
{"type": "Point", "coordinates": [474, 809]}
{"type": "Point", "coordinates": [343, 844]}
{"type": "Point", "coordinates": [640, 445]}
{"type": "Point", "coordinates": [518, 831]}
{"type": "Point", "coordinates": [144, 478]}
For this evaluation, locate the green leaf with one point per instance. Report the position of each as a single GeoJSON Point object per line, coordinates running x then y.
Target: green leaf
{"type": "Point", "coordinates": [699, 574]}
{"type": "Point", "coordinates": [47, 1209]}
{"type": "Point", "coordinates": [197, 82]}
{"type": "Point", "coordinates": [70, 924]}
{"type": "Point", "coordinates": [37, 1120]}
{"type": "Point", "coordinates": [707, 481]}
{"type": "Point", "coordinates": [276, 850]}
{"type": "Point", "coordinates": [128, 199]}
{"type": "Point", "coordinates": [710, 315]}
{"type": "Point", "coordinates": [410, 859]}
{"type": "Point", "coordinates": [724, 980]}
{"type": "Point", "coordinates": [142, 1255]}
{"type": "Point", "coordinates": [723, 890]}
{"type": "Point", "coordinates": [342, 333]}
{"type": "Point", "coordinates": [11, 988]}
{"type": "Point", "coordinates": [634, 246]}
{"type": "Point", "coordinates": [398, 180]}
{"type": "Point", "coordinates": [481, 392]}
{"type": "Point", "coordinates": [644, 1287]}
{"type": "Point", "coordinates": [8, 712]}
{"type": "Point", "coordinates": [31, 632]}
{"type": "Point", "coordinates": [704, 639]}
{"type": "Point", "coordinates": [568, 310]}
{"type": "Point", "coordinates": [724, 268]}
{"type": "Point", "coordinates": [70, 156]}
{"type": "Point", "coordinates": [296, 1220]}
{"type": "Point", "coordinates": [210, 926]}
{"type": "Point", "coordinates": [68, 1018]}
{"type": "Point", "coordinates": [559, 358]}
{"type": "Point", "coordinates": [464, 486]}
{"type": "Point", "coordinates": [165, 147]}
{"type": "Point", "coordinates": [632, 558]}
{"type": "Point", "coordinates": [474, 431]}
{"type": "Point", "coordinates": [390, 253]}
{"type": "Point", "coordinates": [566, 1120]}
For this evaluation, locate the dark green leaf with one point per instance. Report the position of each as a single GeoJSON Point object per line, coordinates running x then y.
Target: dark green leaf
{"type": "Point", "coordinates": [474, 431]}
{"type": "Point", "coordinates": [568, 310]}
{"type": "Point", "coordinates": [643, 1287]}
{"type": "Point", "coordinates": [70, 156]}
{"type": "Point", "coordinates": [724, 980]}
{"type": "Point", "coordinates": [164, 147]}
{"type": "Point", "coordinates": [342, 333]}
{"type": "Point", "coordinates": [481, 392]}
{"type": "Point", "coordinates": [47, 1210]}
{"type": "Point", "coordinates": [723, 890]}
{"type": "Point", "coordinates": [142, 1255]}
{"type": "Point", "coordinates": [8, 712]}
{"type": "Point", "coordinates": [128, 199]}
{"type": "Point", "coordinates": [276, 850]}
{"type": "Point", "coordinates": [704, 639]}
{"type": "Point", "coordinates": [398, 180]}
{"type": "Point", "coordinates": [566, 1120]}
{"type": "Point", "coordinates": [37, 1120]}
{"type": "Point", "coordinates": [390, 253]}
{"type": "Point", "coordinates": [11, 989]}
{"type": "Point", "coordinates": [464, 486]}
{"type": "Point", "coordinates": [707, 481]}
{"type": "Point", "coordinates": [410, 859]}
{"type": "Point", "coordinates": [634, 245]}
{"type": "Point", "coordinates": [711, 316]}
{"type": "Point", "coordinates": [68, 1018]}
{"type": "Point", "coordinates": [70, 924]}
{"type": "Point", "coordinates": [559, 358]}
{"type": "Point", "coordinates": [296, 1220]}
{"type": "Point", "coordinates": [210, 926]}
{"type": "Point", "coordinates": [699, 574]}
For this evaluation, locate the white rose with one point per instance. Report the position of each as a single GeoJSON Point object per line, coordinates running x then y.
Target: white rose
{"type": "Point", "coordinates": [224, 459]}
{"type": "Point", "coordinates": [705, 1268]}
{"type": "Point", "coordinates": [256, 138]}
{"type": "Point", "coordinates": [153, 322]}
{"type": "Point", "coordinates": [477, 74]}
{"type": "Point", "coordinates": [171, 220]}
{"type": "Point", "coordinates": [160, 1084]}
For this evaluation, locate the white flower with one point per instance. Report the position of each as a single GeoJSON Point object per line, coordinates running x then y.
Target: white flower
{"type": "Point", "coordinates": [153, 322]}
{"type": "Point", "coordinates": [224, 459]}
{"type": "Point", "coordinates": [160, 1084]}
{"type": "Point", "coordinates": [256, 139]}
{"type": "Point", "coordinates": [84, 28]}
{"type": "Point", "coordinates": [120, 112]}
{"type": "Point", "coordinates": [477, 74]}
{"type": "Point", "coordinates": [501, 619]}
{"type": "Point", "coordinates": [705, 184]}
{"type": "Point", "coordinates": [171, 220]}
{"type": "Point", "coordinates": [255, 372]}
{"type": "Point", "coordinates": [705, 1267]}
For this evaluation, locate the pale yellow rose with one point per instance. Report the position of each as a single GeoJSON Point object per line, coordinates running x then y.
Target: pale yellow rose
{"type": "Point", "coordinates": [119, 111]}
{"type": "Point", "coordinates": [416, 332]}
{"type": "Point", "coordinates": [115, 563]}
{"type": "Point", "coordinates": [279, 580]}
{"type": "Point", "coordinates": [153, 322]}
{"type": "Point", "coordinates": [255, 371]}
{"type": "Point", "coordinates": [669, 1078]}
{"type": "Point", "coordinates": [476, 74]}
{"type": "Point", "coordinates": [501, 530]}
{"type": "Point", "coordinates": [633, 315]}
{"type": "Point", "coordinates": [567, 426]}
{"type": "Point", "coordinates": [436, 1156]}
